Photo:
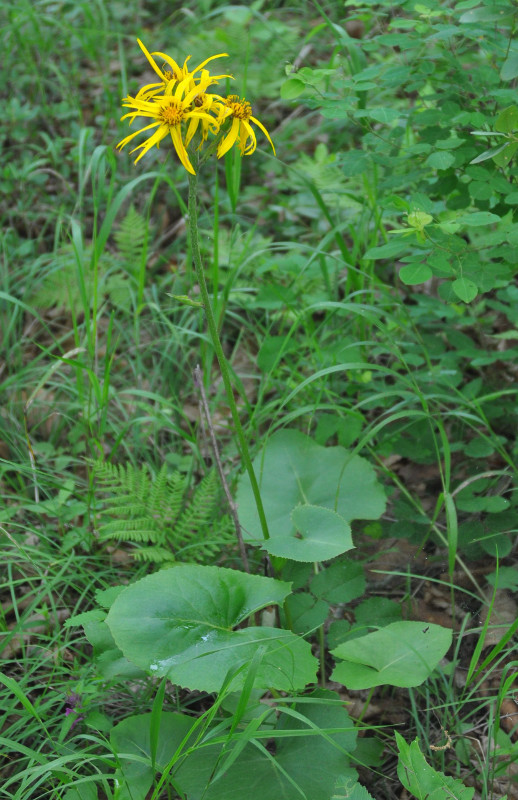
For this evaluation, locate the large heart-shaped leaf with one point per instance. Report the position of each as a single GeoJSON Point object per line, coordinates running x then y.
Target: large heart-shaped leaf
{"type": "Point", "coordinates": [132, 737]}
{"type": "Point", "coordinates": [180, 623]}
{"type": "Point", "coordinates": [400, 654]}
{"type": "Point", "coordinates": [306, 764]}
{"type": "Point", "coordinates": [296, 475]}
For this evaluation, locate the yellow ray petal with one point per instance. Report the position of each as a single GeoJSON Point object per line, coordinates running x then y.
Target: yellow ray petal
{"type": "Point", "coordinates": [149, 143]}
{"type": "Point", "coordinates": [230, 138]}
{"type": "Point", "coordinates": [151, 60]}
{"type": "Point", "coordinates": [191, 130]}
{"type": "Point", "coordinates": [176, 136]}
{"type": "Point", "coordinates": [250, 134]}
{"type": "Point", "coordinates": [260, 125]}
{"type": "Point", "coordinates": [168, 60]}
{"type": "Point", "coordinates": [200, 66]}
{"type": "Point", "coordinates": [125, 141]}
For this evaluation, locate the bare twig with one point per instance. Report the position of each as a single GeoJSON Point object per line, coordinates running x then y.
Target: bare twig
{"type": "Point", "coordinates": [198, 382]}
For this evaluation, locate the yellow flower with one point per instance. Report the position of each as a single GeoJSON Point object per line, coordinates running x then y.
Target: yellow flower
{"type": "Point", "coordinates": [168, 111]}
{"type": "Point", "coordinates": [207, 103]}
{"type": "Point", "coordinates": [176, 73]}
{"type": "Point", "coordinates": [240, 131]}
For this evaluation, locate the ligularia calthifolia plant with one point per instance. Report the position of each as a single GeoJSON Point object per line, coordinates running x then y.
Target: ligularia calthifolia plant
{"type": "Point", "coordinates": [200, 122]}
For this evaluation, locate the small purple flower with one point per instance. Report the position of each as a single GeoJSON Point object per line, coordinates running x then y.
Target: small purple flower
{"type": "Point", "coordinates": [73, 707]}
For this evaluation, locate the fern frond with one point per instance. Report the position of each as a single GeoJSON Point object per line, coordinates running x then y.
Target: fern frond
{"type": "Point", "coordinates": [126, 536]}
{"type": "Point", "coordinates": [131, 237]}
{"type": "Point", "coordinates": [125, 507]}
{"type": "Point", "coordinates": [177, 487]}
{"type": "Point", "coordinates": [221, 535]}
{"type": "Point", "coordinates": [148, 509]}
{"type": "Point", "coordinates": [156, 554]}
{"type": "Point", "coordinates": [199, 510]}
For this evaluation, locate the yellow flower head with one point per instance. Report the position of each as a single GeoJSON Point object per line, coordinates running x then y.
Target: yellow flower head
{"type": "Point", "coordinates": [209, 104]}
{"type": "Point", "coordinates": [181, 106]}
{"type": "Point", "coordinates": [175, 73]}
{"type": "Point", "coordinates": [168, 111]}
{"type": "Point", "coordinates": [240, 111]}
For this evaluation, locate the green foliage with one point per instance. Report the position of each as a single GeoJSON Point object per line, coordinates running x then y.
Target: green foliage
{"type": "Point", "coordinates": [421, 780]}
{"type": "Point", "coordinates": [181, 623]}
{"type": "Point", "coordinates": [405, 98]}
{"type": "Point", "coordinates": [363, 284]}
{"type": "Point", "coordinates": [321, 731]}
{"type": "Point", "coordinates": [131, 237]}
{"type": "Point", "coordinates": [141, 507]}
{"type": "Point", "coordinates": [310, 494]}
{"type": "Point", "coordinates": [400, 654]}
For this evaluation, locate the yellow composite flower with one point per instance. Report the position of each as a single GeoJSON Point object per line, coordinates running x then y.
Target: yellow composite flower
{"type": "Point", "coordinates": [168, 111]}
{"type": "Point", "coordinates": [175, 73]}
{"type": "Point", "coordinates": [208, 103]}
{"type": "Point", "coordinates": [240, 111]}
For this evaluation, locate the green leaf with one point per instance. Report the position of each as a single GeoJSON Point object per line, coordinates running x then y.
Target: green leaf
{"type": "Point", "coordinates": [509, 69]}
{"type": "Point", "coordinates": [305, 764]}
{"type": "Point", "coordinates": [412, 274]}
{"type": "Point", "coordinates": [340, 582]}
{"type": "Point", "coordinates": [480, 190]}
{"type": "Point", "coordinates": [507, 120]}
{"type": "Point", "coordinates": [384, 115]}
{"type": "Point", "coordinates": [505, 578]}
{"type": "Point", "coordinates": [377, 612]}
{"type": "Point", "coordinates": [491, 14]}
{"type": "Point", "coordinates": [306, 613]}
{"type": "Point", "coordinates": [85, 791]}
{"type": "Point", "coordinates": [465, 289]}
{"type": "Point", "coordinates": [401, 654]}
{"type": "Point", "coordinates": [317, 534]}
{"type": "Point", "coordinates": [477, 218]}
{"type": "Point", "coordinates": [179, 623]}
{"type": "Point", "coordinates": [494, 151]}
{"type": "Point", "coordinates": [389, 250]}
{"type": "Point", "coordinates": [294, 471]}
{"type": "Point", "coordinates": [292, 88]}
{"type": "Point", "coordinates": [440, 160]}
{"type": "Point", "coordinates": [503, 158]}
{"type": "Point", "coordinates": [131, 737]}
{"type": "Point", "coordinates": [421, 780]}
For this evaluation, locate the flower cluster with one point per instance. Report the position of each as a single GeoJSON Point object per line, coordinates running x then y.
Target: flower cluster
{"type": "Point", "coordinates": [179, 104]}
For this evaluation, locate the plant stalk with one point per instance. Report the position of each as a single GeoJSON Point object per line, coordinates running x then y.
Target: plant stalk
{"type": "Point", "coordinates": [218, 349]}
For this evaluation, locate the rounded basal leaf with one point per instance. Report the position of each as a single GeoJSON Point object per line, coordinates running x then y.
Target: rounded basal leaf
{"type": "Point", "coordinates": [340, 582]}
{"type": "Point", "coordinates": [310, 752]}
{"type": "Point", "coordinates": [317, 534]}
{"type": "Point", "coordinates": [131, 740]}
{"type": "Point", "coordinates": [401, 654]}
{"type": "Point", "coordinates": [180, 623]}
{"type": "Point", "coordinates": [293, 471]}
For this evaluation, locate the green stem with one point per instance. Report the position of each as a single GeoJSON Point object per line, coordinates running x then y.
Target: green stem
{"type": "Point", "coordinates": [321, 641]}
{"type": "Point", "coordinates": [218, 349]}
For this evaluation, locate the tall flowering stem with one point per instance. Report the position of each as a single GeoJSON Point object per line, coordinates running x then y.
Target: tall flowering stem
{"type": "Point", "coordinates": [218, 349]}
{"type": "Point", "coordinates": [200, 124]}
